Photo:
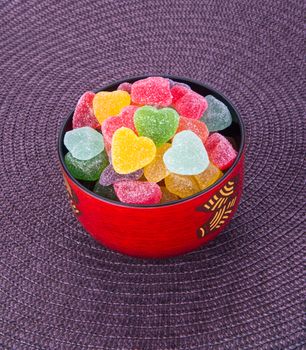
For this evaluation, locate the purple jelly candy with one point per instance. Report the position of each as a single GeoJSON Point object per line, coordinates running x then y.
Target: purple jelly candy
{"type": "Point", "coordinates": [181, 84]}
{"type": "Point", "coordinates": [109, 176]}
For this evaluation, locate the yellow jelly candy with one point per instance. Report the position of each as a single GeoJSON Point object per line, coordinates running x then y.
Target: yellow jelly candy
{"type": "Point", "coordinates": [167, 196]}
{"type": "Point", "coordinates": [210, 175]}
{"type": "Point", "coordinates": [156, 170]}
{"type": "Point", "coordinates": [182, 185]}
{"type": "Point", "coordinates": [130, 152]}
{"type": "Point", "coordinates": [107, 104]}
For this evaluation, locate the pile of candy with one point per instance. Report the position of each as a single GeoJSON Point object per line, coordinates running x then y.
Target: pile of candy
{"type": "Point", "coordinates": [149, 142]}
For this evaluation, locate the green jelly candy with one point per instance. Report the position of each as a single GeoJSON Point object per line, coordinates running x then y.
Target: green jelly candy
{"type": "Point", "coordinates": [88, 170]}
{"type": "Point", "coordinates": [105, 191]}
{"type": "Point", "coordinates": [159, 125]}
{"type": "Point", "coordinates": [84, 143]}
{"type": "Point", "coordinates": [217, 116]}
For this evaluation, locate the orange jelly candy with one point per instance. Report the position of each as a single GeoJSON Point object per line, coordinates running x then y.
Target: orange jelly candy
{"type": "Point", "coordinates": [182, 185]}
{"type": "Point", "coordinates": [208, 176]}
{"type": "Point", "coordinates": [156, 170]}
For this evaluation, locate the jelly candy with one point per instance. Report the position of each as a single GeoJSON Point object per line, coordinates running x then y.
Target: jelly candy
{"type": "Point", "coordinates": [88, 170]}
{"type": "Point", "coordinates": [187, 156]}
{"type": "Point", "coordinates": [167, 196]}
{"type": "Point", "coordinates": [125, 87]}
{"type": "Point", "coordinates": [84, 143]}
{"type": "Point", "coordinates": [129, 152]}
{"type": "Point", "coordinates": [138, 192]}
{"type": "Point", "coordinates": [125, 118]}
{"type": "Point", "coordinates": [178, 91]}
{"type": "Point", "coordinates": [105, 191]}
{"type": "Point", "coordinates": [181, 185]}
{"type": "Point", "coordinates": [153, 91]}
{"type": "Point", "coordinates": [198, 127]}
{"type": "Point", "coordinates": [208, 176]}
{"type": "Point", "coordinates": [191, 105]}
{"type": "Point", "coordinates": [171, 82]}
{"type": "Point", "coordinates": [83, 114]}
{"type": "Point", "coordinates": [177, 83]}
{"type": "Point", "coordinates": [220, 151]}
{"type": "Point", "coordinates": [107, 104]}
{"type": "Point", "coordinates": [109, 176]}
{"type": "Point", "coordinates": [217, 116]}
{"type": "Point", "coordinates": [156, 170]}
{"type": "Point", "coordinates": [158, 124]}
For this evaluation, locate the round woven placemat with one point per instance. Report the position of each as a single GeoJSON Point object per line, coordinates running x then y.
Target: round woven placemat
{"type": "Point", "coordinates": [59, 289]}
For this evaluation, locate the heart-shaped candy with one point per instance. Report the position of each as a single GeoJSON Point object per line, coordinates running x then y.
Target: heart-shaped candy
{"type": "Point", "coordinates": [125, 118]}
{"type": "Point", "coordinates": [158, 124]}
{"type": "Point", "coordinates": [217, 116]}
{"type": "Point", "coordinates": [107, 104]}
{"type": "Point", "coordinates": [84, 143]}
{"type": "Point", "coordinates": [138, 192]}
{"type": "Point", "coordinates": [129, 152]}
{"type": "Point", "coordinates": [187, 156]}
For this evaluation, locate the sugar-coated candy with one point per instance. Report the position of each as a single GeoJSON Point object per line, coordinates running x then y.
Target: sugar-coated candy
{"type": "Point", "coordinates": [167, 196]}
{"type": "Point", "coordinates": [130, 152]}
{"type": "Point", "coordinates": [84, 114]}
{"type": "Point", "coordinates": [182, 185]}
{"type": "Point", "coordinates": [125, 87]}
{"type": "Point", "coordinates": [191, 105]}
{"type": "Point", "coordinates": [217, 116]}
{"type": "Point", "coordinates": [154, 91]}
{"type": "Point", "coordinates": [84, 143]}
{"type": "Point", "coordinates": [105, 191]}
{"type": "Point", "coordinates": [198, 127]}
{"type": "Point", "coordinates": [158, 124]}
{"type": "Point", "coordinates": [187, 156]}
{"type": "Point", "coordinates": [88, 170]}
{"type": "Point", "coordinates": [208, 176]}
{"type": "Point", "coordinates": [156, 170]}
{"type": "Point", "coordinates": [220, 151]}
{"type": "Point", "coordinates": [138, 192]}
{"type": "Point", "coordinates": [178, 91]}
{"type": "Point", "coordinates": [109, 176]}
{"type": "Point", "coordinates": [125, 118]}
{"type": "Point", "coordinates": [107, 104]}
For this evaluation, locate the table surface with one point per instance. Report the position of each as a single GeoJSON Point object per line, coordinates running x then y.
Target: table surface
{"type": "Point", "coordinates": [59, 289]}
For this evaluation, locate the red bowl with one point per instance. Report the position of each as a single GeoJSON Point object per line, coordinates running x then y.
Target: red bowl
{"type": "Point", "coordinates": [162, 230]}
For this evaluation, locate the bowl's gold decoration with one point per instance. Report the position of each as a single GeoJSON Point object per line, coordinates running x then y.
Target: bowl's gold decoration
{"type": "Point", "coordinates": [220, 205]}
{"type": "Point", "coordinates": [73, 199]}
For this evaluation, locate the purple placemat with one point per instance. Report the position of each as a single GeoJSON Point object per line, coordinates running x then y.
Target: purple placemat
{"type": "Point", "coordinates": [61, 290]}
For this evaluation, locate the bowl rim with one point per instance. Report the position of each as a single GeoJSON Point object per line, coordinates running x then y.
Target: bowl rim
{"type": "Point", "coordinates": [159, 205]}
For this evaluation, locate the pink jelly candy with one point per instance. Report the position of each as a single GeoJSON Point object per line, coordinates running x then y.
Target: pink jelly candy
{"type": "Point", "coordinates": [197, 126]}
{"type": "Point", "coordinates": [125, 87]}
{"type": "Point", "coordinates": [220, 151]}
{"type": "Point", "coordinates": [83, 113]}
{"type": "Point", "coordinates": [125, 118]}
{"type": "Point", "coordinates": [154, 91]}
{"type": "Point", "coordinates": [178, 91]}
{"type": "Point", "coordinates": [138, 192]}
{"type": "Point", "coordinates": [109, 176]}
{"type": "Point", "coordinates": [191, 105]}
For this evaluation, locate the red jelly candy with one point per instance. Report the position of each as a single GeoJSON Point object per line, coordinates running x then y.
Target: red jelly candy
{"type": "Point", "coordinates": [138, 192]}
{"type": "Point", "coordinates": [83, 113]}
{"type": "Point", "coordinates": [125, 87]}
{"type": "Point", "coordinates": [191, 105]}
{"type": "Point", "coordinates": [197, 126]}
{"type": "Point", "coordinates": [154, 91]}
{"type": "Point", "coordinates": [125, 118]}
{"type": "Point", "coordinates": [220, 151]}
{"type": "Point", "coordinates": [178, 91]}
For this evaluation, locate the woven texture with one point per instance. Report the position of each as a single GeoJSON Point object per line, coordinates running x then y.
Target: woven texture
{"type": "Point", "coordinates": [59, 289]}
